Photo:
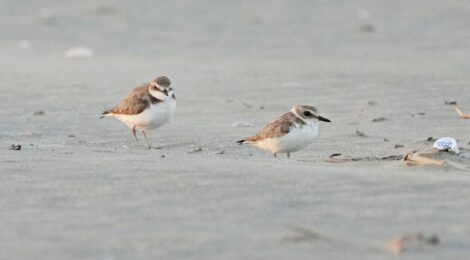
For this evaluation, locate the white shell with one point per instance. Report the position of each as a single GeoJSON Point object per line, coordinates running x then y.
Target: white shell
{"type": "Point", "coordinates": [447, 144]}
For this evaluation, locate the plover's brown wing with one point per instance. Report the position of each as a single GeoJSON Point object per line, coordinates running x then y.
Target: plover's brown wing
{"type": "Point", "coordinates": [136, 102]}
{"type": "Point", "coordinates": [277, 128]}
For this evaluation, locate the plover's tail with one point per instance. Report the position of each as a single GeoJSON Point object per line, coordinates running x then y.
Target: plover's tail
{"type": "Point", "coordinates": [105, 113]}
{"type": "Point", "coordinates": [241, 141]}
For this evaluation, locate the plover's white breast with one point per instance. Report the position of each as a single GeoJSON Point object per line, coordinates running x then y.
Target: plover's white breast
{"type": "Point", "coordinates": [298, 137]}
{"type": "Point", "coordinates": [154, 116]}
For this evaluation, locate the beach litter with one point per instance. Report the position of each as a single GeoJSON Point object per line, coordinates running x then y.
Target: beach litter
{"type": "Point", "coordinates": [447, 144]}
{"type": "Point", "coordinates": [444, 145]}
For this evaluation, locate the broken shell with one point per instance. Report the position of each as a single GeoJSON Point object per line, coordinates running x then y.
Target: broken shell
{"type": "Point", "coordinates": [78, 52]}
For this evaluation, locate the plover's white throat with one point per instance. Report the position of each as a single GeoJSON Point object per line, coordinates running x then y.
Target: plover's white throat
{"type": "Point", "coordinates": [290, 132]}
{"type": "Point", "coordinates": [147, 107]}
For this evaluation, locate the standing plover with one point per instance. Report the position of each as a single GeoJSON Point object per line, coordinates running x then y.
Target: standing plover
{"type": "Point", "coordinates": [147, 107]}
{"type": "Point", "coordinates": [290, 132]}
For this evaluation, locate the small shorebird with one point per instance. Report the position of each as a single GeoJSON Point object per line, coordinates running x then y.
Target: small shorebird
{"type": "Point", "coordinates": [290, 132]}
{"type": "Point", "coordinates": [147, 107]}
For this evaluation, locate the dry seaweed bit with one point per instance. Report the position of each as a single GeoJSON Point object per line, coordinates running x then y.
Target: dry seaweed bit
{"type": "Point", "coordinates": [334, 155]}
{"type": "Point", "coordinates": [379, 119]}
{"type": "Point", "coordinates": [302, 234]}
{"type": "Point", "coordinates": [335, 158]}
{"type": "Point", "coordinates": [15, 147]}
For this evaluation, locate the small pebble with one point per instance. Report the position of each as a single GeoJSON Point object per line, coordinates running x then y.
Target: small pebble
{"type": "Point", "coordinates": [39, 113]}
{"type": "Point", "coordinates": [360, 133]}
{"type": "Point", "coordinates": [399, 146]}
{"type": "Point", "coordinates": [367, 28]}
{"type": "Point", "coordinates": [71, 135]}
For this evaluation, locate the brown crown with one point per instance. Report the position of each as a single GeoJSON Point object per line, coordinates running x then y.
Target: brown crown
{"type": "Point", "coordinates": [162, 81]}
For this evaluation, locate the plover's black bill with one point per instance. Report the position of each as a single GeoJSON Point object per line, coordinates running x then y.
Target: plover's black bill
{"type": "Point", "coordinates": [323, 119]}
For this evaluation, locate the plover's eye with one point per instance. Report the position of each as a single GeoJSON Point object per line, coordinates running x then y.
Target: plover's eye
{"type": "Point", "coordinates": [307, 113]}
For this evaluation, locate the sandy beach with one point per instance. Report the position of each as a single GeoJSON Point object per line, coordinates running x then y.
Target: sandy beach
{"type": "Point", "coordinates": [82, 188]}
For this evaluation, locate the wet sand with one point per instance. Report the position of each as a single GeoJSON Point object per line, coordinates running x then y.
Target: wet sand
{"type": "Point", "coordinates": [81, 188]}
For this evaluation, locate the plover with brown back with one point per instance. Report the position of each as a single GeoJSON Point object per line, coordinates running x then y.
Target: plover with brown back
{"type": "Point", "coordinates": [289, 133]}
{"type": "Point", "coordinates": [147, 107]}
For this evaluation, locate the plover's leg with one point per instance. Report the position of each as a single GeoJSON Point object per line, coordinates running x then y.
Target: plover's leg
{"type": "Point", "coordinates": [288, 155]}
{"type": "Point", "coordinates": [146, 139]}
{"type": "Point", "coordinates": [133, 132]}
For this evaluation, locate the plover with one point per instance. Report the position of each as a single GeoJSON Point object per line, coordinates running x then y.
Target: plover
{"type": "Point", "coordinates": [290, 132]}
{"type": "Point", "coordinates": [147, 107]}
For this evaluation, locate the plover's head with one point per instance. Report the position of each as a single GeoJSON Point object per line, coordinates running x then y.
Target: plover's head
{"type": "Point", "coordinates": [160, 88]}
{"type": "Point", "coordinates": [308, 114]}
